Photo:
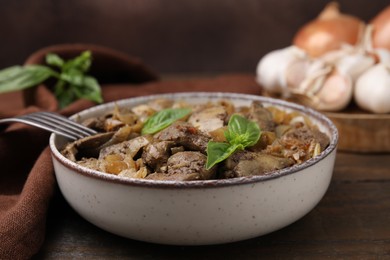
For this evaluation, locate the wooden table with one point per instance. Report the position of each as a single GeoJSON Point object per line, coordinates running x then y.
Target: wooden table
{"type": "Point", "coordinates": [351, 222]}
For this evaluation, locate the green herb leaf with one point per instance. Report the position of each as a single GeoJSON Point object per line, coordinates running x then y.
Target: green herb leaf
{"type": "Point", "coordinates": [80, 63]}
{"type": "Point", "coordinates": [77, 87]}
{"type": "Point", "coordinates": [90, 90]}
{"type": "Point", "coordinates": [54, 60]}
{"type": "Point", "coordinates": [163, 119]}
{"type": "Point", "coordinates": [65, 96]}
{"type": "Point", "coordinates": [72, 84]}
{"type": "Point", "coordinates": [241, 133]}
{"type": "Point", "coordinates": [19, 77]}
{"type": "Point", "coordinates": [218, 152]}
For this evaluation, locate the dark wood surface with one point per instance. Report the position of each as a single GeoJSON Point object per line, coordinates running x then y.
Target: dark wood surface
{"type": "Point", "coordinates": [200, 36]}
{"type": "Point", "coordinates": [352, 221]}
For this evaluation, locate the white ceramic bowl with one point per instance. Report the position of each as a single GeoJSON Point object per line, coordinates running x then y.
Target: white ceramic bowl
{"type": "Point", "coordinates": [196, 212]}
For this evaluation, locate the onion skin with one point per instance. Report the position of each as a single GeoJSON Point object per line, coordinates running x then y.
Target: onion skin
{"type": "Point", "coordinates": [329, 31]}
{"type": "Point", "coordinates": [381, 26]}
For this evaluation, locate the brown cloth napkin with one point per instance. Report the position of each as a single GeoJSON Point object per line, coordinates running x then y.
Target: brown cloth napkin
{"type": "Point", "coordinates": [27, 181]}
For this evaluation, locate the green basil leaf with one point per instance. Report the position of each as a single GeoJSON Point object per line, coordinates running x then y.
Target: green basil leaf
{"type": "Point", "coordinates": [18, 77]}
{"type": "Point", "coordinates": [10, 72]}
{"type": "Point", "coordinates": [66, 97]}
{"type": "Point", "coordinates": [242, 131]}
{"type": "Point", "coordinates": [80, 63]}
{"type": "Point", "coordinates": [73, 84]}
{"type": "Point", "coordinates": [59, 88]}
{"type": "Point", "coordinates": [89, 89]}
{"type": "Point", "coordinates": [240, 134]}
{"type": "Point", "coordinates": [73, 77]}
{"type": "Point", "coordinates": [86, 87]}
{"type": "Point", "coordinates": [163, 119]}
{"type": "Point", "coordinates": [218, 152]}
{"type": "Point", "coordinates": [54, 60]}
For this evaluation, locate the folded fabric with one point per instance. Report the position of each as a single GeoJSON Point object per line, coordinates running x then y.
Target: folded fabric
{"type": "Point", "coordinates": [27, 181]}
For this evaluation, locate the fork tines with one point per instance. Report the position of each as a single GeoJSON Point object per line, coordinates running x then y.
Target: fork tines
{"type": "Point", "coordinates": [57, 124]}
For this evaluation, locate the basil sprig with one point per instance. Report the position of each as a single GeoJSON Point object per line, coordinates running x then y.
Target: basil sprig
{"type": "Point", "coordinates": [163, 119]}
{"type": "Point", "coordinates": [18, 77]}
{"type": "Point", "coordinates": [72, 81]}
{"type": "Point", "coordinates": [240, 133]}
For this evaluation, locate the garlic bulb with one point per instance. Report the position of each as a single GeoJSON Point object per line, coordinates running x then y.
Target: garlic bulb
{"type": "Point", "coordinates": [372, 89]}
{"type": "Point", "coordinates": [335, 58]}
{"type": "Point", "coordinates": [350, 60]}
{"type": "Point", "coordinates": [272, 68]}
{"type": "Point", "coordinates": [322, 83]}
{"type": "Point", "coordinates": [383, 56]}
{"type": "Point", "coordinates": [329, 31]}
{"type": "Point", "coordinates": [327, 89]}
{"type": "Point", "coordinates": [329, 80]}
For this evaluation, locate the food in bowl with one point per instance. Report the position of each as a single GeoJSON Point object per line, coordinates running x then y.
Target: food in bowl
{"type": "Point", "coordinates": [201, 212]}
{"type": "Point", "coordinates": [164, 139]}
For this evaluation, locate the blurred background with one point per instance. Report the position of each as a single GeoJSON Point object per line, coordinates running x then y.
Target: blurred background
{"type": "Point", "coordinates": [172, 37]}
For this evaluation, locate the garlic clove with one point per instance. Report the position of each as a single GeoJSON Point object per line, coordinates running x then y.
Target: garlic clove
{"type": "Point", "coordinates": [271, 69]}
{"type": "Point", "coordinates": [325, 87]}
{"type": "Point", "coordinates": [383, 56]}
{"type": "Point", "coordinates": [372, 89]}
{"type": "Point", "coordinates": [350, 60]}
{"type": "Point", "coordinates": [329, 91]}
{"type": "Point", "coordinates": [355, 64]}
{"type": "Point", "coordinates": [313, 75]}
{"type": "Point", "coordinates": [296, 73]}
{"type": "Point", "coordinates": [336, 92]}
{"type": "Point", "coordinates": [333, 56]}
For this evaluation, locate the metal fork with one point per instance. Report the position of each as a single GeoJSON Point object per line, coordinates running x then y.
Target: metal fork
{"type": "Point", "coordinates": [54, 123]}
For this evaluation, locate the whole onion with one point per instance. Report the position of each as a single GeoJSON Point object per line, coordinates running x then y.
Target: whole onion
{"type": "Point", "coordinates": [329, 31]}
{"type": "Point", "coordinates": [381, 27]}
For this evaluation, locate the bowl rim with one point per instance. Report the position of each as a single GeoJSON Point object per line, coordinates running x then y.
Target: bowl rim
{"type": "Point", "coordinates": [201, 183]}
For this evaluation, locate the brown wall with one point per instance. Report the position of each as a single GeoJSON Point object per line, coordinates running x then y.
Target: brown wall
{"type": "Point", "coordinates": [172, 36]}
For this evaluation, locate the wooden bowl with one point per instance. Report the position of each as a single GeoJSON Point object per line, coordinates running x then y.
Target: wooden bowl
{"type": "Point", "coordinates": [360, 131]}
